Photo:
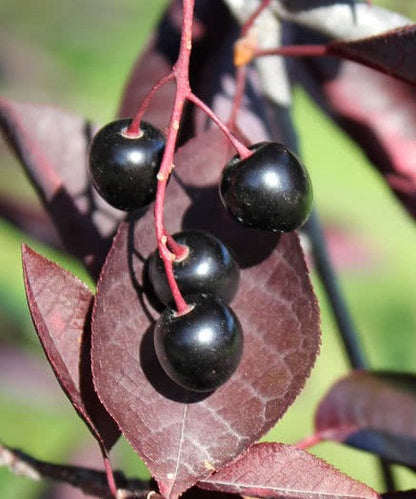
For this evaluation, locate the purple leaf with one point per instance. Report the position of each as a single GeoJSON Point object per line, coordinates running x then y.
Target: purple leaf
{"type": "Point", "coordinates": [372, 411]}
{"type": "Point", "coordinates": [381, 119]}
{"type": "Point", "coordinates": [52, 146]}
{"type": "Point", "coordinates": [391, 52]}
{"type": "Point", "coordinates": [166, 425]}
{"type": "Point", "coordinates": [277, 470]}
{"type": "Point", "coordinates": [60, 306]}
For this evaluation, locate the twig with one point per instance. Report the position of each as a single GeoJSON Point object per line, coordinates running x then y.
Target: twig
{"type": "Point", "coordinates": [88, 480]}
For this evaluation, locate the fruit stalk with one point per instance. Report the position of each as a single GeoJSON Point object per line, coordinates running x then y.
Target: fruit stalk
{"type": "Point", "coordinates": [134, 128]}
{"type": "Point", "coordinates": [181, 73]}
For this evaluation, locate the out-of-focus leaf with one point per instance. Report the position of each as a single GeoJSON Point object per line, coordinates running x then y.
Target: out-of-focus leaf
{"type": "Point", "coordinates": [350, 250]}
{"type": "Point", "coordinates": [277, 470]}
{"type": "Point", "coordinates": [166, 425]}
{"type": "Point", "coordinates": [377, 111]}
{"type": "Point", "coordinates": [341, 19]}
{"type": "Point", "coordinates": [60, 307]}
{"type": "Point", "coordinates": [374, 411]}
{"type": "Point", "coordinates": [25, 377]}
{"type": "Point", "coordinates": [30, 219]}
{"type": "Point", "coordinates": [391, 52]}
{"type": "Point", "coordinates": [211, 24]}
{"type": "Point", "coordinates": [52, 146]}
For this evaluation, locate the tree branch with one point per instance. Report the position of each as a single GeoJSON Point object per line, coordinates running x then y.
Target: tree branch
{"type": "Point", "coordinates": [90, 481]}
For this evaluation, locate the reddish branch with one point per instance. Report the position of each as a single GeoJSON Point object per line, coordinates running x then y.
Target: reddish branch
{"type": "Point", "coordinates": [250, 21]}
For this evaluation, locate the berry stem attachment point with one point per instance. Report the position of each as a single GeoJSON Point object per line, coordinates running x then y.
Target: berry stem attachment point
{"type": "Point", "coordinates": [179, 250]}
{"type": "Point", "coordinates": [181, 305]}
{"type": "Point", "coordinates": [134, 128]}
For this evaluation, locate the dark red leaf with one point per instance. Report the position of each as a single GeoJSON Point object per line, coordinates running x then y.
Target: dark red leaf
{"type": "Point", "coordinates": [373, 411]}
{"type": "Point", "coordinates": [52, 145]}
{"type": "Point", "coordinates": [391, 52]}
{"type": "Point", "coordinates": [184, 436]}
{"type": "Point", "coordinates": [277, 470]}
{"type": "Point", "coordinates": [60, 306]}
{"type": "Point", "coordinates": [379, 112]}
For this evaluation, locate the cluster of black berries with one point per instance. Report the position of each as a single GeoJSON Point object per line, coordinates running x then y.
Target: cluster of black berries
{"type": "Point", "coordinates": [200, 348]}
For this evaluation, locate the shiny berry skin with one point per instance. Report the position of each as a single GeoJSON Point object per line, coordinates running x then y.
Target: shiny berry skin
{"type": "Point", "coordinates": [208, 267]}
{"type": "Point", "coordinates": [123, 169]}
{"type": "Point", "coordinates": [200, 349]}
{"type": "Point", "coordinates": [270, 190]}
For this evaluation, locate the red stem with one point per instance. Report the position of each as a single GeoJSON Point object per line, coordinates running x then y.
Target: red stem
{"type": "Point", "coordinates": [309, 442]}
{"type": "Point", "coordinates": [179, 250]}
{"type": "Point", "coordinates": [294, 50]}
{"type": "Point", "coordinates": [242, 150]}
{"type": "Point", "coordinates": [250, 21]}
{"type": "Point", "coordinates": [109, 472]}
{"type": "Point", "coordinates": [169, 250]}
{"type": "Point", "coordinates": [134, 129]}
{"type": "Point", "coordinates": [240, 85]}
{"type": "Point", "coordinates": [181, 73]}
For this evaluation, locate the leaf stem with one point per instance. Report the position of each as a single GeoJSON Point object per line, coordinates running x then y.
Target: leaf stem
{"type": "Point", "coordinates": [109, 473]}
{"type": "Point", "coordinates": [309, 441]}
{"type": "Point", "coordinates": [294, 50]}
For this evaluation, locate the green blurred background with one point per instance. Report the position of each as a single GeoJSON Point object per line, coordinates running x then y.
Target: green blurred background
{"type": "Point", "coordinates": [76, 54]}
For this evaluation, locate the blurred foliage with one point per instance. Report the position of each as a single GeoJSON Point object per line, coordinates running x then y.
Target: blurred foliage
{"type": "Point", "coordinates": [77, 54]}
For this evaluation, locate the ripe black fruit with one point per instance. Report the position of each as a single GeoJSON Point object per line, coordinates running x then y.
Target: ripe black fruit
{"type": "Point", "coordinates": [201, 348]}
{"type": "Point", "coordinates": [269, 190]}
{"type": "Point", "coordinates": [123, 169]}
{"type": "Point", "coordinates": [208, 267]}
